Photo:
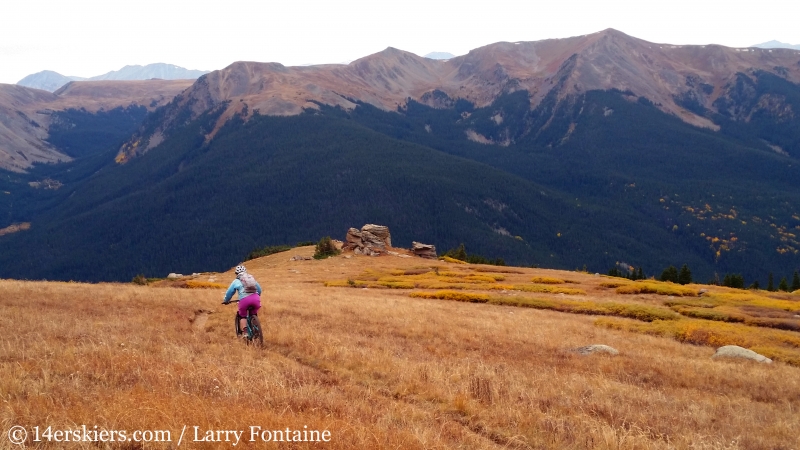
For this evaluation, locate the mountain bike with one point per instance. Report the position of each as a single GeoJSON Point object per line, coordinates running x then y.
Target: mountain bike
{"type": "Point", "coordinates": [254, 335]}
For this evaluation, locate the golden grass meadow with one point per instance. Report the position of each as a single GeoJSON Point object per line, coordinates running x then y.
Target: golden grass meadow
{"type": "Point", "coordinates": [402, 353]}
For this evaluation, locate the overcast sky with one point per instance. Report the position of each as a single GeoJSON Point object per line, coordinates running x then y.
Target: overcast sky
{"type": "Point", "coordinates": [90, 37]}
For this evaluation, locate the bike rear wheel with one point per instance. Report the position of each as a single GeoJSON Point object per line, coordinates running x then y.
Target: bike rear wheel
{"type": "Point", "coordinates": [257, 337]}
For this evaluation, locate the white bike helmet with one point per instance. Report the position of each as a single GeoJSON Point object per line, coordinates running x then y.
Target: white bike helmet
{"type": "Point", "coordinates": [240, 270]}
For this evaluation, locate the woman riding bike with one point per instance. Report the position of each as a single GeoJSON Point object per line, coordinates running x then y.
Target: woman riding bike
{"type": "Point", "coordinates": [249, 295]}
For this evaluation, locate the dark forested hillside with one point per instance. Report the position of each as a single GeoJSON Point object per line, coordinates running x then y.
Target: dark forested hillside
{"type": "Point", "coordinates": [598, 179]}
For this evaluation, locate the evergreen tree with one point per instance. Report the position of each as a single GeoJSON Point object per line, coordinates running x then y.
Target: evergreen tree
{"type": "Point", "coordinates": [640, 275]}
{"type": "Point", "coordinates": [795, 281]}
{"type": "Point", "coordinates": [783, 285]}
{"type": "Point", "coordinates": [670, 274]}
{"type": "Point", "coordinates": [770, 283]}
{"type": "Point", "coordinates": [755, 285]}
{"type": "Point", "coordinates": [685, 276]}
{"type": "Point", "coordinates": [733, 280]}
{"type": "Point", "coordinates": [459, 253]}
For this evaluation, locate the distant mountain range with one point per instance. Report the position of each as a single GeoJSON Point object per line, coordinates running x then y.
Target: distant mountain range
{"type": "Point", "coordinates": [777, 44]}
{"type": "Point", "coordinates": [440, 55]}
{"type": "Point", "coordinates": [50, 81]}
{"type": "Point", "coordinates": [601, 150]}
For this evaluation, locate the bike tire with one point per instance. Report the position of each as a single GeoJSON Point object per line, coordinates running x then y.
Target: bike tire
{"type": "Point", "coordinates": [236, 325]}
{"type": "Point", "coordinates": [257, 337]}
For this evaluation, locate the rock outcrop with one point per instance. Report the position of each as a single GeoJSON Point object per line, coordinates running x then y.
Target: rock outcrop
{"type": "Point", "coordinates": [376, 240]}
{"type": "Point", "coordinates": [734, 351]}
{"type": "Point", "coordinates": [370, 240]}
{"type": "Point", "coordinates": [427, 251]}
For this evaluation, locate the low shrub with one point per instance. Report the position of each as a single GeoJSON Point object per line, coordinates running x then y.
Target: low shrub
{"type": "Point", "coordinates": [545, 289]}
{"type": "Point", "coordinates": [652, 287]}
{"type": "Point", "coordinates": [707, 314]}
{"type": "Point", "coordinates": [497, 270]}
{"type": "Point", "coordinates": [753, 299]}
{"type": "Point", "coordinates": [451, 260]}
{"type": "Point", "coordinates": [779, 345]}
{"type": "Point", "coordinates": [326, 248]}
{"type": "Point", "coordinates": [484, 278]}
{"type": "Point", "coordinates": [453, 295]}
{"type": "Point", "coordinates": [633, 311]}
{"type": "Point", "coordinates": [140, 280]}
{"type": "Point", "coordinates": [704, 303]}
{"type": "Point", "coordinates": [613, 284]}
{"type": "Point", "coordinates": [397, 284]}
{"type": "Point", "coordinates": [547, 280]}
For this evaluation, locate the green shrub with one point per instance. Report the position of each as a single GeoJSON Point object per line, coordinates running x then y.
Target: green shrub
{"type": "Point", "coordinates": [140, 279]}
{"type": "Point", "coordinates": [325, 248]}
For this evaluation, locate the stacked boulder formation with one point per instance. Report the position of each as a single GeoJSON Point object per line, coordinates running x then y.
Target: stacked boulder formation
{"type": "Point", "coordinates": [370, 240]}
{"type": "Point", "coordinates": [376, 240]}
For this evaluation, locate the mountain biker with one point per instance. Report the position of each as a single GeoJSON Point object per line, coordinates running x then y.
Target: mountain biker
{"type": "Point", "coordinates": [249, 295]}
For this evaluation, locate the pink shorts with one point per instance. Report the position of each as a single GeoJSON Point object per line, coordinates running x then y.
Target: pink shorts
{"type": "Point", "coordinates": [252, 301]}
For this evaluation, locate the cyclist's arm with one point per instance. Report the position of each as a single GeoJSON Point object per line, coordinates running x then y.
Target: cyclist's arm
{"type": "Point", "coordinates": [231, 289]}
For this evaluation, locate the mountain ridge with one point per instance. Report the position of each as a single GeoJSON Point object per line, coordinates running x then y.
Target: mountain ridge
{"type": "Point", "coordinates": [666, 75]}
{"type": "Point", "coordinates": [777, 44]}
{"type": "Point", "coordinates": [27, 113]}
{"type": "Point", "coordinates": [51, 81]}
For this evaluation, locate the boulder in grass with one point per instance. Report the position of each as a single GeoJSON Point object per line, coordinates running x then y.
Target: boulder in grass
{"type": "Point", "coordinates": [427, 251]}
{"type": "Point", "coordinates": [734, 351]}
{"type": "Point", "coordinates": [596, 348]}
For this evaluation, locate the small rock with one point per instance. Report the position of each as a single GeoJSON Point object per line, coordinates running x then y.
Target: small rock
{"type": "Point", "coordinates": [702, 291]}
{"type": "Point", "coordinates": [734, 351]}
{"type": "Point", "coordinates": [174, 275]}
{"type": "Point", "coordinates": [596, 348]}
{"type": "Point", "coordinates": [596, 274]}
{"type": "Point", "coordinates": [300, 258]}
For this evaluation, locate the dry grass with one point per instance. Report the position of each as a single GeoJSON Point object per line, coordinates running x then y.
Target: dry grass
{"type": "Point", "coordinates": [379, 369]}
{"type": "Point", "coordinates": [199, 284]}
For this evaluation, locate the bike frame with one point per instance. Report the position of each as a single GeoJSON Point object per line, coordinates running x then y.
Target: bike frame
{"type": "Point", "coordinates": [253, 330]}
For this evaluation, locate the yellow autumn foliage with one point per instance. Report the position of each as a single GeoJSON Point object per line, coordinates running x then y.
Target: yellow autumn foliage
{"type": "Point", "coordinates": [197, 284]}
{"type": "Point", "coordinates": [547, 280]}
{"type": "Point", "coordinates": [453, 295]}
{"type": "Point", "coordinates": [452, 260]}
{"type": "Point", "coordinates": [779, 345]}
{"type": "Point", "coordinates": [655, 287]}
